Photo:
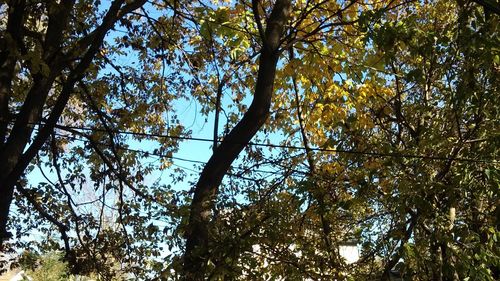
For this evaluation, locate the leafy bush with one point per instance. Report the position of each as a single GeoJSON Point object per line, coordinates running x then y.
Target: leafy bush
{"type": "Point", "coordinates": [48, 267]}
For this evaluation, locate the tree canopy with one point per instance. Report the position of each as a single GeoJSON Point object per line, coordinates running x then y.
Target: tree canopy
{"type": "Point", "coordinates": [374, 123]}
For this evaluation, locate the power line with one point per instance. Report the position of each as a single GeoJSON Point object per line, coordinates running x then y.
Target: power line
{"type": "Point", "coordinates": [292, 147]}
{"type": "Point", "coordinates": [161, 155]}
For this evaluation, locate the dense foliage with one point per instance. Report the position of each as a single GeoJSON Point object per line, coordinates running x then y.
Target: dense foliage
{"type": "Point", "coordinates": [373, 122]}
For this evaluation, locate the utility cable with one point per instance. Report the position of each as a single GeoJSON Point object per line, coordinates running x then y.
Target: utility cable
{"type": "Point", "coordinates": [291, 147]}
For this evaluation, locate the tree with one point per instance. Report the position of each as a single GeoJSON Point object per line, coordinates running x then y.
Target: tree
{"type": "Point", "coordinates": [367, 121]}
{"type": "Point", "coordinates": [62, 69]}
{"type": "Point", "coordinates": [196, 255]}
{"type": "Point", "coordinates": [43, 55]}
{"type": "Point", "coordinates": [393, 110]}
{"type": "Point", "coordinates": [274, 41]}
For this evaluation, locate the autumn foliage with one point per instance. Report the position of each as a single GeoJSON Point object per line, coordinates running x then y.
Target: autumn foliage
{"type": "Point", "coordinates": [367, 122]}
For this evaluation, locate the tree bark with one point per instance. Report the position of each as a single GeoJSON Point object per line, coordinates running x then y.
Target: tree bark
{"type": "Point", "coordinates": [197, 251]}
{"type": "Point", "coordinates": [9, 43]}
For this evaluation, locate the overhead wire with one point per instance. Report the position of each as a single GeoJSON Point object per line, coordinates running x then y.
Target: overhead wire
{"type": "Point", "coordinates": [160, 155]}
{"type": "Point", "coordinates": [282, 146]}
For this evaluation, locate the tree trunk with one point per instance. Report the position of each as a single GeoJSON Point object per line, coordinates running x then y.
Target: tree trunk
{"type": "Point", "coordinates": [197, 252]}
{"type": "Point", "coordinates": [7, 64]}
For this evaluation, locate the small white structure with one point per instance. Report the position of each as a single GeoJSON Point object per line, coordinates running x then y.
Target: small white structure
{"type": "Point", "coordinates": [349, 251]}
{"type": "Point", "coordinates": [20, 276]}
